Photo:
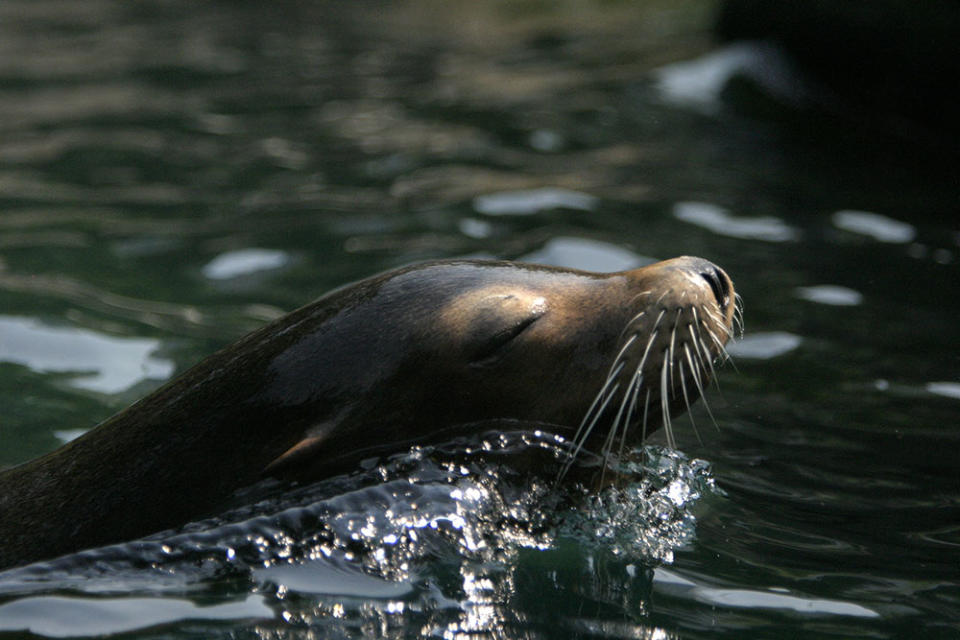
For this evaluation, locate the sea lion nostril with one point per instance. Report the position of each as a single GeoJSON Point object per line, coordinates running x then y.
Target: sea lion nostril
{"type": "Point", "coordinates": [720, 284]}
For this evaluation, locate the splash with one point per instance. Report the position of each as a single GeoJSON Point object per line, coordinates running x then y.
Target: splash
{"type": "Point", "coordinates": [649, 517]}
{"type": "Point", "coordinates": [444, 538]}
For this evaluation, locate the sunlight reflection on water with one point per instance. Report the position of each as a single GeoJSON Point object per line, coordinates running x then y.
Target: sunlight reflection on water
{"type": "Point", "coordinates": [118, 363]}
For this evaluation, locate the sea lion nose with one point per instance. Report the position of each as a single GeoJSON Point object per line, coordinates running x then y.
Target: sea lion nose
{"type": "Point", "coordinates": [717, 278]}
{"type": "Point", "coordinates": [689, 268]}
{"type": "Point", "coordinates": [719, 282]}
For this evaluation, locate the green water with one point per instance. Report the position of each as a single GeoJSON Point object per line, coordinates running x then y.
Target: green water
{"type": "Point", "coordinates": [144, 147]}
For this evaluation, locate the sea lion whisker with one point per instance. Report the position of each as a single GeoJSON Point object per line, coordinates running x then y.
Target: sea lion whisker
{"type": "Point", "coordinates": [643, 422]}
{"type": "Point", "coordinates": [607, 448]}
{"type": "Point", "coordinates": [722, 350]}
{"type": "Point", "coordinates": [703, 355]}
{"type": "Point", "coordinates": [646, 413]}
{"type": "Point", "coordinates": [702, 358]}
{"type": "Point", "coordinates": [597, 407]}
{"type": "Point", "coordinates": [598, 399]}
{"type": "Point", "coordinates": [637, 381]}
{"type": "Point", "coordinates": [636, 317]}
{"type": "Point", "coordinates": [656, 323]}
{"type": "Point", "coordinates": [621, 423]}
{"type": "Point", "coordinates": [668, 355]}
{"type": "Point", "coordinates": [720, 323]}
{"type": "Point", "coordinates": [628, 326]}
{"type": "Point", "coordinates": [709, 359]}
{"type": "Point", "coordinates": [727, 332]}
{"type": "Point", "coordinates": [654, 331]}
{"type": "Point", "coordinates": [623, 350]}
{"type": "Point", "coordinates": [686, 401]}
{"type": "Point", "coordinates": [738, 313]}
{"type": "Point", "coordinates": [673, 338]}
{"type": "Point", "coordinates": [637, 297]}
{"type": "Point", "coordinates": [646, 351]}
{"type": "Point", "coordinates": [580, 441]}
{"type": "Point", "coordinates": [665, 404]}
{"type": "Point", "coordinates": [718, 358]}
{"type": "Point", "coordinates": [728, 328]}
{"type": "Point", "coordinates": [703, 397]}
{"type": "Point", "coordinates": [694, 368]}
{"type": "Point", "coordinates": [715, 314]}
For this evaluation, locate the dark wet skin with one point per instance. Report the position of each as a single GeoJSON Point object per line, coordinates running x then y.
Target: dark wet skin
{"type": "Point", "coordinates": [411, 356]}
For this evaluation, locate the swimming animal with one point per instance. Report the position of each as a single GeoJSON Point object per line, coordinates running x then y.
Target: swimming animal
{"type": "Point", "coordinates": [410, 356]}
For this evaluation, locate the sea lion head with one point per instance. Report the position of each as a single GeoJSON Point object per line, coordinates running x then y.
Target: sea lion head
{"type": "Point", "coordinates": [449, 346]}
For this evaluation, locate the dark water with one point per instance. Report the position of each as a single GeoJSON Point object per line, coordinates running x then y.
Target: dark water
{"type": "Point", "coordinates": [173, 175]}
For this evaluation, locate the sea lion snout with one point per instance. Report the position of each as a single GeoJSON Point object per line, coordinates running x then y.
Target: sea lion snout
{"type": "Point", "coordinates": [718, 280]}
{"type": "Point", "coordinates": [682, 311]}
{"type": "Point", "coordinates": [689, 274]}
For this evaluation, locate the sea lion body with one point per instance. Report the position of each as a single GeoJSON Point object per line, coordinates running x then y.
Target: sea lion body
{"type": "Point", "coordinates": [404, 357]}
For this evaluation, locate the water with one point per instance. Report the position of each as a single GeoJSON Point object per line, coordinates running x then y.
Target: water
{"type": "Point", "coordinates": [436, 538]}
{"type": "Point", "coordinates": [174, 175]}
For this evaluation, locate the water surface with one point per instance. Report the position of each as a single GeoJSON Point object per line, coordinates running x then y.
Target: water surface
{"type": "Point", "coordinates": [173, 175]}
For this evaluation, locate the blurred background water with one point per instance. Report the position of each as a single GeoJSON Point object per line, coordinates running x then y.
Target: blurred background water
{"type": "Point", "coordinates": [174, 174]}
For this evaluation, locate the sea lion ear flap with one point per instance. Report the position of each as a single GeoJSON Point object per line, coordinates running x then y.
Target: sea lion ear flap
{"type": "Point", "coordinates": [298, 455]}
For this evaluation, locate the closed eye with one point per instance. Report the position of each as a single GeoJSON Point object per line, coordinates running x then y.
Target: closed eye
{"type": "Point", "coordinates": [490, 351]}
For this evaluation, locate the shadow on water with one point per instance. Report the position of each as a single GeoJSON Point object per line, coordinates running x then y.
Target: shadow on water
{"type": "Point", "coordinates": [174, 175]}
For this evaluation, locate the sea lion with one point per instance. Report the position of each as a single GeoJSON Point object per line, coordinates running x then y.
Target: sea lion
{"type": "Point", "coordinates": [408, 356]}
